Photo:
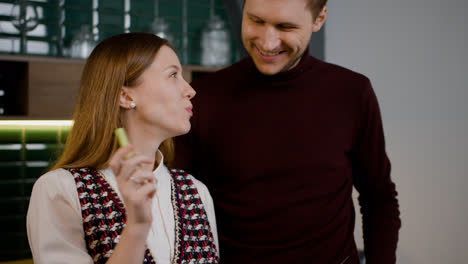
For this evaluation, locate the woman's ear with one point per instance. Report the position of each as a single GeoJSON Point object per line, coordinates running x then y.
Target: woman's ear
{"type": "Point", "coordinates": [126, 100]}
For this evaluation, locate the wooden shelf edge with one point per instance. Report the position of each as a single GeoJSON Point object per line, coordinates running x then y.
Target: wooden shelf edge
{"type": "Point", "coordinates": [33, 58]}
{"type": "Point", "coordinates": [199, 68]}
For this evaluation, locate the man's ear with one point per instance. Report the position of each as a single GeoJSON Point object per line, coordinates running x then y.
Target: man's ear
{"type": "Point", "coordinates": [322, 16]}
{"type": "Point", "coordinates": [125, 99]}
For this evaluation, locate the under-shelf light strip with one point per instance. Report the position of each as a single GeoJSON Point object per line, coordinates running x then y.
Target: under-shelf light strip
{"type": "Point", "coordinates": [36, 123]}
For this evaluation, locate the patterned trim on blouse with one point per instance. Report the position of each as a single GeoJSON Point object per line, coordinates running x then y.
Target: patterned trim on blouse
{"type": "Point", "coordinates": [197, 238]}
{"type": "Point", "coordinates": [104, 218]}
{"type": "Point", "coordinates": [103, 215]}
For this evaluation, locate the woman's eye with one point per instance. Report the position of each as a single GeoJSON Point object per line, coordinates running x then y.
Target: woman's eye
{"type": "Point", "coordinates": [173, 75]}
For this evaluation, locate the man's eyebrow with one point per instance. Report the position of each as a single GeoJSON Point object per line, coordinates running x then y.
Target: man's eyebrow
{"type": "Point", "coordinates": [284, 23]}
{"type": "Point", "coordinates": [252, 15]}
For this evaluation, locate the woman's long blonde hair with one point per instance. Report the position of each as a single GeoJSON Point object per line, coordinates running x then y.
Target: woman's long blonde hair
{"type": "Point", "coordinates": [117, 61]}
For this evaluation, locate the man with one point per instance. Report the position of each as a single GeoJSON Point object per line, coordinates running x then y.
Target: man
{"type": "Point", "coordinates": [280, 138]}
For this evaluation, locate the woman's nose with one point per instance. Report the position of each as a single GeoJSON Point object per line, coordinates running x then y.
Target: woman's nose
{"type": "Point", "coordinates": [189, 92]}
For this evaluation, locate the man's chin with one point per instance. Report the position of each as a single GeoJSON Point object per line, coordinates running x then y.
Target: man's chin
{"type": "Point", "coordinates": [275, 68]}
{"type": "Point", "coordinates": [268, 69]}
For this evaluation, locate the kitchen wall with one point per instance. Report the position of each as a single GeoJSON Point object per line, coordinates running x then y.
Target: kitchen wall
{"type": "Point", "coordinates": [414, 51]}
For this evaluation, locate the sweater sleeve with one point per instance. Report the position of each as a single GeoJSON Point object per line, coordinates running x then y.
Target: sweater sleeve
{"type": "Point", "coordinates": [371, 177]}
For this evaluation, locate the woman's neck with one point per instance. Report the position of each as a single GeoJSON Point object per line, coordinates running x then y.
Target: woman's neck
{"type": "Point", "coordinates": [144, 141]}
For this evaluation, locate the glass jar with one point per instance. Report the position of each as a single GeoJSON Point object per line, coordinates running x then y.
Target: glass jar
{"type": "Point", "coordinates": [215, 43]}
{"type": "Point", "coordinates": [82, 43]}
{"type": "Point", "coordinates": [161, 29]}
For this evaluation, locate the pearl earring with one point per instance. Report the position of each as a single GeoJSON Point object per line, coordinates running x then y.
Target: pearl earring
{"type": "Point", "coordinates": [132, 105]}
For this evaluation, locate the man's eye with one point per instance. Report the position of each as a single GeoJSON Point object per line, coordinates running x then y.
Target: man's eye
{"type": "Point", "coordinates": [173, 75]}
{"type": "Point", "coordinates": [256, 20]}
{"type": "Point", "coordinates": [286, 27]}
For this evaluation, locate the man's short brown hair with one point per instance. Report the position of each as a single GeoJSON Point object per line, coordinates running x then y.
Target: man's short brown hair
{"type": "Point", "coordinates": [316, 6]}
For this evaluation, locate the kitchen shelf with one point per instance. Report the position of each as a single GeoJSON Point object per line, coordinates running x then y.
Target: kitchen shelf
{"type": "Point", "coordinates": [39, 87]}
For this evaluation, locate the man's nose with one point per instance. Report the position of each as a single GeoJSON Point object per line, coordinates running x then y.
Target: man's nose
{"type": "Point", "coordinates": [271, 39]}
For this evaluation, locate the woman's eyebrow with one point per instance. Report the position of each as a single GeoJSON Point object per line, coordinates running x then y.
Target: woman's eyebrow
{"type": "Point", "coordinates": [172, 66]}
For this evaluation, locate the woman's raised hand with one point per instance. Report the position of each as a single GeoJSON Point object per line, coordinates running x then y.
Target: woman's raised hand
{"type": "Point", "coordinates": [136, 184]}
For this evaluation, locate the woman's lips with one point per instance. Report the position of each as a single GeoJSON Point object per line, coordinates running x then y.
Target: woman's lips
{"type": "Point", "coordinates": [189, 110]}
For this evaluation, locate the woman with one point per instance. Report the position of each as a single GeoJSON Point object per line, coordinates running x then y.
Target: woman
{"type": "Point", "coordinates": [97, 204]}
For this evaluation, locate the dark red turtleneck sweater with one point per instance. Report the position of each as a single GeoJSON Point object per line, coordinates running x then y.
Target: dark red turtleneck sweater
{"type": "Point", "coordinates": [280, 155]}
